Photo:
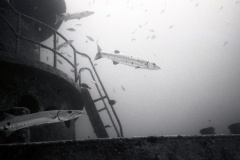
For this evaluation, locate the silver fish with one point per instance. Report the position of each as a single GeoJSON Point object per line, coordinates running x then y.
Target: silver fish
{"type": "Point", "coordinates": [64, 44]}
{"type": "Point", "coordinates": [90, 38]}
{"type": "Point", "coordinates": [123, 88]}
{"type": "Point", "coordinates": [225, 43]}
{"type": "Point", "coordinates": [71, 29]}
{"type": "Point", "coordinates": [93, 81]}
{"type": "Point", "coordinates": [63, 52]}
{"type": "Point", "coordinates": [153, 37]}
{"type": "Point", "coordinates": [78, 15]}
{"type": "Point", "coordinates": [132, 61]}
{"type": "Point", "coordinates": [133, 39]}
{"type": "Point", "coordinates": [13, 123]}
{"type": "Point", "coordinates": [59, 61]}
{"type": "Point", "coordinates": [134, 31]}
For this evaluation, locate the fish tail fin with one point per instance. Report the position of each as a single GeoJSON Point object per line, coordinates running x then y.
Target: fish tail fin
{"type": "Point", "coordinates": [98, 55]}
{"type": "Point", "coordinates": [57, 19]}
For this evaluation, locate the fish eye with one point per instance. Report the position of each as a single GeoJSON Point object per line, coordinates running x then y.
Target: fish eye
{"type": "Point", "coordinates": [69, 112]}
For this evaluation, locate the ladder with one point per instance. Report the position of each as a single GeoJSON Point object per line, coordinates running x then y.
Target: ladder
{"type": "Point", "coordinates": [74, 65]}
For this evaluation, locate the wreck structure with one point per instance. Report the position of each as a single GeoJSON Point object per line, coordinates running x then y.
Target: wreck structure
{"type": "Point", "coordinates": [27, 82]}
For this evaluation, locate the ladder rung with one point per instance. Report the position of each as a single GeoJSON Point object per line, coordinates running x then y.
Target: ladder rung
{"type": "Point", "coordinates": [101, 109]}
{"type": "Point", "coordinates": [99, 99]}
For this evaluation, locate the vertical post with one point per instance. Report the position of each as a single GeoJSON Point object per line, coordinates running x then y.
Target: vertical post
{"type": "Point", "coordinates": [75, 64]}
{"type": "Point", "coordinates": [55, 55]}
{"type": "Point", "coordinates": [18, 32]}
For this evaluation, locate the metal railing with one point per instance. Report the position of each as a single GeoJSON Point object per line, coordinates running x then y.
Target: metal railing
{"type": "Point", "coordinates": [54, 50]}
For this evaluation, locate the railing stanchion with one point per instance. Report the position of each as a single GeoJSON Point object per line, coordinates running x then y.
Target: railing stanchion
{"type": "Point", "coordinates": [75, 64]}
{"type": "Point", "coordinates": [55, 55]}
{"type": "Point", "coordinates": [18, 32]}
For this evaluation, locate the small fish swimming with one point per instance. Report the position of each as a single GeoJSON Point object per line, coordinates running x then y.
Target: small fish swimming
{"type": "Point", "coordinates": [197, 4]}
{"type": "Point", "coordinates": [94, 64]}
{"type": "Point", "coordinates": [125, 59]}
{"type": "Point", "coordinates": [170, 26]}
{"type": "Point", "coordinates": [90, 38]}
{"type": "Point", "coordinates": [153, 37]}
{"type": "Point", "coordinates": [72, 70]}
{"type": "Point", "coordinates": [13, 123]}
{"type": "Point", "coordinates": [134, 31]}
{"type": "Point", "coordinates": [64, 44]}
{"type": "Point", "coordinates": [113, 90]}
{"type": "Point", "coordinates": [78, 15]}
{"type": "Point", "coordinates": [63, 52]}
{"type": "Point", "coordinates": [69, 55]}
{"type": "Point", "coordinates": [93, 81]}
{"type": "Point", "coordinates": [148, 37]}
{"type": "Point", "coordinates": [71, 29]}
{"type": "Point", "coordinates": [112, 102]}
{"type": "Point", "coordinates": [78, 25]}
{"type": "Point", "coordinates": [145, 23]}
{"type": "Point", "coordinates": [151, 30]}
{"type": "Point", "coordinates": [140, 26]}
{"type": "Point", "coordinates": [225, 43]}
{"type": "Point", "coordinates": [108, 15]}
{"type": "Point", "coordinates": [59, 61]}
{"type": "Point", "coordinates": [83, 85]}
{"type": "Point", "coordinates": [162, 11]}
{"type": "Point", "coordinates": [123, 88]}
{"type": "Point", "coordinates": [133, 39]}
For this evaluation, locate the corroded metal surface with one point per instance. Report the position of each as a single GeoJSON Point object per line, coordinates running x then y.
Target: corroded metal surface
{"type": "Point", "coordinates": [214, 147]}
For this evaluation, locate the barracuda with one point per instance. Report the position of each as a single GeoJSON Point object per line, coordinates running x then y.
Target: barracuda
{"type": "Point", "coordinates": [13, 123]}
{"type": "Point", "coordinates": [67, 16]}
{"type": "Point", "coordinates": [132, 61]}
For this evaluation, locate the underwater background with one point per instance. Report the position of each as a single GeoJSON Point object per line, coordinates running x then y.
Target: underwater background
{"type": "Point", "coordinates": [195, 43]}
